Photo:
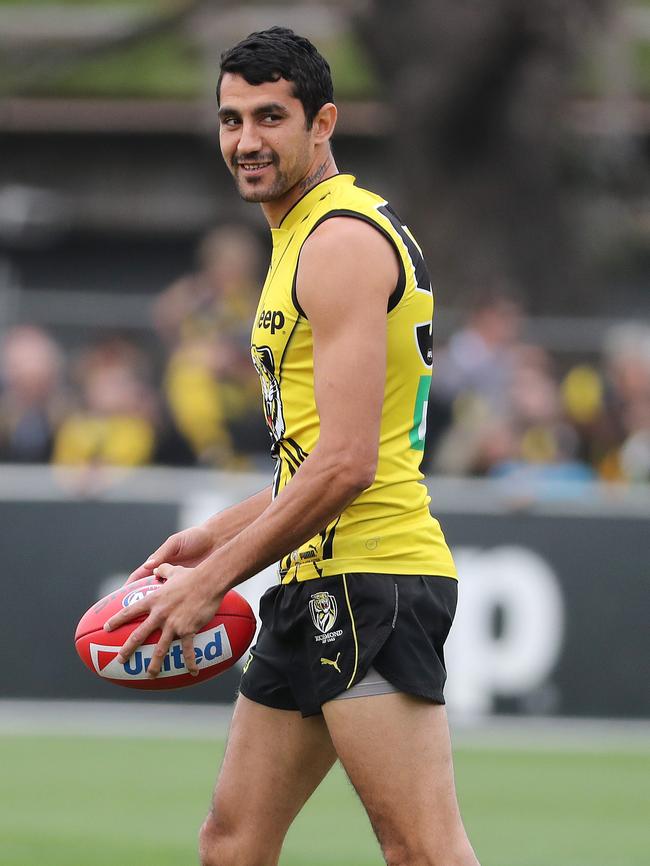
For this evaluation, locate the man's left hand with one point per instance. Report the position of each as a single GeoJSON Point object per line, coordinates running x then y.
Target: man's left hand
{"type": "Point", "coordinates": [179, 609]}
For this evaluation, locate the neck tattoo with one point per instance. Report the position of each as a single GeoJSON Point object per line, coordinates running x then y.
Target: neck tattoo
{"type": "Point", "coordinates": [312, 179]}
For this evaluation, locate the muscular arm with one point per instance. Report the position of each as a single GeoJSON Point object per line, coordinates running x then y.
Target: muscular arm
{"type": "Point", "coordinates": [346, 274]}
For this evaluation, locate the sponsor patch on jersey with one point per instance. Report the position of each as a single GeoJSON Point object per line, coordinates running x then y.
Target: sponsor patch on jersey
{"type": "Point", "coordinates": [304, 555]}
{"type": "Point", "coordinates": [271, 320]}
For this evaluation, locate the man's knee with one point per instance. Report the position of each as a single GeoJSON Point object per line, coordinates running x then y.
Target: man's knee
{"type": "Point", "coordinates": [216, 842]}
{"type": "Point", "coordinates": [227, 842]}
{"type": "Point", "coordinates": [209, 854]}
{"type": "Point", "coordinates": [408, 853]}
{"type": "Point", "coordinates": [427, 851]}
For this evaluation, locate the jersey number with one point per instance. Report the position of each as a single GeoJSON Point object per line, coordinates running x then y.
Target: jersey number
{"type": "Point", "coordinates": [418, 432]}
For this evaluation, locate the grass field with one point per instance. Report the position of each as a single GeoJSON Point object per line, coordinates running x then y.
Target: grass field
{"type": "Point", "coordinates": [96, 801]}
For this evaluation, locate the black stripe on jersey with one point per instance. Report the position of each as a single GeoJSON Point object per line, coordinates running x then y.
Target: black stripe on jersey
{"type": "Point", "coordinates": [398, 291]}
{"type": "Point", "coordinates": [319, 571]}
{"type": "Point", "coordinates": [293, 462]}
{"type": "Point", "coordinates": [300, 454]}
{"type": "Point", "coordinates": [422, 278]}
{"type": "Point", "coordinates": [326, 544]}
{"type": "Point", "coordinates": [276, 477]}
{"type": "Point", "coordinates": [424, 339]}
{"type": "Point", "coordinates": [328, 539]}
{"type": "Point", "coordinates": [291, 465]}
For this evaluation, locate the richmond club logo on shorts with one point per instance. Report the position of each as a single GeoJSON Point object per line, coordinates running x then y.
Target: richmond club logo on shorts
{"type": "Point", "coordinates": [323, 610]}
{"type": "Point", "coordinates": [322, 607]}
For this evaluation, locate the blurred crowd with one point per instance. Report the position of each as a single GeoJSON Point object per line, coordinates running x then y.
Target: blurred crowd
{"type": "Point", "coordinates": [195, 401]}
{"type": "Point", "coordinates": [499, 407]}
{"type": "Point", "coordinates": [503, 407]}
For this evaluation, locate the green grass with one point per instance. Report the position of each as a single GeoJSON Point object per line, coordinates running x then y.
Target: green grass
{"type": "Point", "coordinates": [133, 802]}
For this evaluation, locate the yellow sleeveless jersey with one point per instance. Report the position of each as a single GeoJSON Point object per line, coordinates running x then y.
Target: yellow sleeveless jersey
{"type": "Point", "coordinates": [388, 528]}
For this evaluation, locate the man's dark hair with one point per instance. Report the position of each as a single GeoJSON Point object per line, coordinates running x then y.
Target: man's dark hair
{"type": "Point", "coordinates": [279, 53]}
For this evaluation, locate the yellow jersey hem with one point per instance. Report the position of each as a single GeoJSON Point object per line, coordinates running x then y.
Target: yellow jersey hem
{"type": "Point", "coordinates": [365, 566]}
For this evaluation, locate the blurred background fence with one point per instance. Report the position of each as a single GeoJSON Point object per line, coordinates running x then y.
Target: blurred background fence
{"type": "Point", "coordinates": [513, 136]}
{"type": "Point", "coordinates": [552, 617]}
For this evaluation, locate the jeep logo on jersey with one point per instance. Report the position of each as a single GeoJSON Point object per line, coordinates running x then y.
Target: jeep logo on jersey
{"type": "Point", "coordinates": [273, 319]}
{"type": "Point", "coordinates": [424, 340]}
{"type": "Point", "coordinates": [210, 648]}
{"type": "Point", "coordinates": [323, 609]}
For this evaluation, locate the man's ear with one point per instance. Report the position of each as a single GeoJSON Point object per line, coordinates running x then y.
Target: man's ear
{"type": "Point", "coordinates": [324, 123]}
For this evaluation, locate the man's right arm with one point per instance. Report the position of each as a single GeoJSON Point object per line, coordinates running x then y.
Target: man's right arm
{"type": "Point", "coordinates": [228, 523]}
{"type": "Point", "coordinates": [191, 546]}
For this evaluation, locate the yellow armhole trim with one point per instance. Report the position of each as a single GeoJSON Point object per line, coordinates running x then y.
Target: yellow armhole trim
{"type": "Point", "coordinates": [354, 633]}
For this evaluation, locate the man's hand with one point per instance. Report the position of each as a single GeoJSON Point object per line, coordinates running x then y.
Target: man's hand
{"type": "Point", "coordinates": [179, 609]}
{"type": "Point", "coordinates": [189, 548]}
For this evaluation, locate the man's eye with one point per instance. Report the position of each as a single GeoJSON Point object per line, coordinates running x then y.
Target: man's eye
{"type": "Point", "coordinates": [271, 118]}
{"type": "Point", "coordinates": [229, 121]}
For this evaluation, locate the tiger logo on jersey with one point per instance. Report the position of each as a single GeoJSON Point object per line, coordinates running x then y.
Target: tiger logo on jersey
{"type": "Point", "coordinates": [323, 609]}
{"type": "Point", "coordinates": [273, 414]}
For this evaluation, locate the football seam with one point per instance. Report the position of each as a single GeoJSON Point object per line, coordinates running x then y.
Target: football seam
{"type": "Point", "coordinates": [245, 616]}
{"type": "Point", "coordinates": [78, 637]}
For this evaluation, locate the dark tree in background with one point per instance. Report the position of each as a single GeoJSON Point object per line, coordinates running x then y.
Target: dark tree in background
{"type": "Point", "coordinates": [478, 91]}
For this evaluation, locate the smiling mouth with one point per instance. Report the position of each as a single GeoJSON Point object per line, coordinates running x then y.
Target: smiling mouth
{"type": "Point", "coordinates": [253, 167]}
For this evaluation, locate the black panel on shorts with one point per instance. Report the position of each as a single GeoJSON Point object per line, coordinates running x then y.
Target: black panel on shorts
{"type": "Point", "coordinates": [319, 637]}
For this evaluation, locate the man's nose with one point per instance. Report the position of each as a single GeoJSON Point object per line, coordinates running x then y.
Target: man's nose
{"type": "Point", "coordinates": [249, 140]}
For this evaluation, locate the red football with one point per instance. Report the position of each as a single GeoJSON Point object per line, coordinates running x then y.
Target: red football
{"type": "Point", "coordinates": [217, 646]}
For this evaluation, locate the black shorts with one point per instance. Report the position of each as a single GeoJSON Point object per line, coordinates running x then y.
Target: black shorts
{"type": "Point", "coordinates": [319, 637]}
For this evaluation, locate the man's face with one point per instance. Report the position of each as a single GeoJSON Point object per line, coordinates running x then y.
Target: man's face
{"type": "Point", "coordinates": [263, 137]}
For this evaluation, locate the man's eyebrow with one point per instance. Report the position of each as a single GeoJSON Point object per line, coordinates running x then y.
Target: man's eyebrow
{"type": "Point", "coordinates": [268, 108]}
{"type": "Point", "coordinates": [271, 108]}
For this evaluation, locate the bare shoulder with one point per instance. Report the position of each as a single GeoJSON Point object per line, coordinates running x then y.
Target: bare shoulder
{"type": "Point", "coordinates": [344, 253]}
{"type": "Point", "coordinates": [348, 237]}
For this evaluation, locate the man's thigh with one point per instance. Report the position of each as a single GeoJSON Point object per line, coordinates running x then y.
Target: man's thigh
{"type": "Point", "coordinates": [273, 762]}
{"type": "Point", "coordinates": [396, 750]}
